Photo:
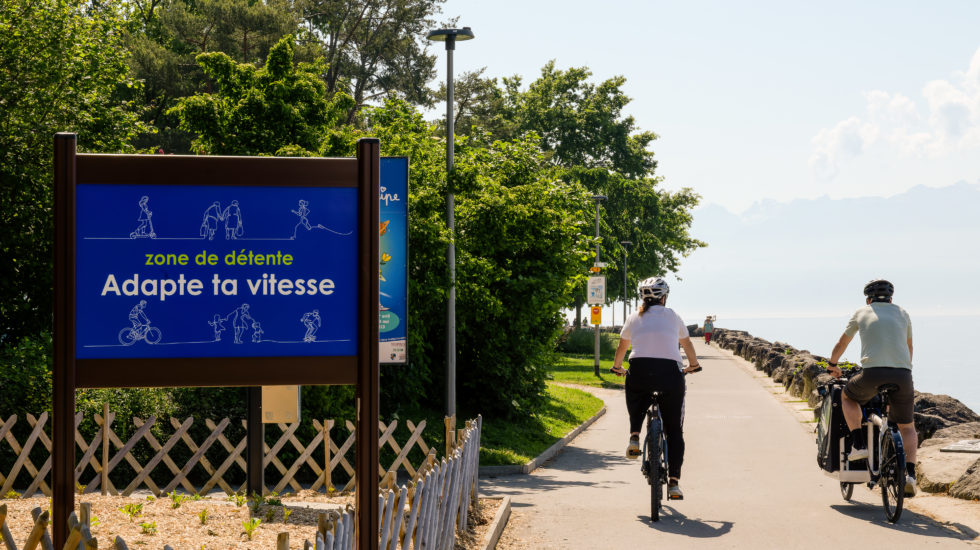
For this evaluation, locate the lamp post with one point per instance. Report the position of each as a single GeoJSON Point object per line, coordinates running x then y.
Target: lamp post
{"type": "Point", "coordinates": [450, 37]}
{"type": "Point", "coordinates": [597, 198]}
{"type": "Point", "coordinates": [625, 268]}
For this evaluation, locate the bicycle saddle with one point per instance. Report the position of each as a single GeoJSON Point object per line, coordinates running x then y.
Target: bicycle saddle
{"type": "Point", "coordinates": [887, 388]}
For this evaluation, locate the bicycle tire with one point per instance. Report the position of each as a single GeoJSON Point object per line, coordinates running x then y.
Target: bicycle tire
{"type": "Point", "coordinates": [892, 476]}
{"type": "Point", "coordinates": [126, 336]}
{"type": "Point", "coordinates": [846, 490]}
{"type": "Point", "coordinates": [153, 335]}
{"type": "Point", "coordinates": [652, 453]}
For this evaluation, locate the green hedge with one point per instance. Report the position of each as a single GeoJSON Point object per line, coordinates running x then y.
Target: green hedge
{"type": "Point", "coordinates": [582, 341]}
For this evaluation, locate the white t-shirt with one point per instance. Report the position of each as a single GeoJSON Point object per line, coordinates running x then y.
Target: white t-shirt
{"type": "Point", "coordinates": [656, 333]}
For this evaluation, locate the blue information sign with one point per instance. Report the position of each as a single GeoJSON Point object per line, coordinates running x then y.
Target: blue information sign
{"type": "Point", "coordinates": [393, 320]}
{"type": "Point", "coordinates": [215, 271]}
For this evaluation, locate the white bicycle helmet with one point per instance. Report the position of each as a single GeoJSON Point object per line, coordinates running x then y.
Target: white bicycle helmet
{"type": "Point", "coordinates": [653, 287]}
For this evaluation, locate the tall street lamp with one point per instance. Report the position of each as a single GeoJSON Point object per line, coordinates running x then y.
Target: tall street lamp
{"type": "Point", "coordinates": [450, 37]}
{"type": "Point", "coordinates": [625, 244]}
{"type": "Point", "coordinates": [597, 199]}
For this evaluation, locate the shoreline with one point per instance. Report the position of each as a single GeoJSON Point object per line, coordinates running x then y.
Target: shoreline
{"type": "Point", "coordinates": [939, 419]}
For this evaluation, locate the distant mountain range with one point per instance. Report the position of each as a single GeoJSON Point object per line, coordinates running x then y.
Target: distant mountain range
{"type": "Point", "coordinates": [811, 256]}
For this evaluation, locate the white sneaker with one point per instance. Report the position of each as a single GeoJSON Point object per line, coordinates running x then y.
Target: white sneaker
{"type": "Point", "coordinates": [910, 486]}
{"type": "Point", "coordinates": [633, 449]}
{"type": "Point", "coordinates": [857, 454]}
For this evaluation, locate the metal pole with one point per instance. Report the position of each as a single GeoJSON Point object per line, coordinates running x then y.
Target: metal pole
{"type": "Point", "coordinates": [596, 366]}
{"type": "Point", "coordinates": [625, 267]}
{"type": "Point", "coordinates": [451, 226]}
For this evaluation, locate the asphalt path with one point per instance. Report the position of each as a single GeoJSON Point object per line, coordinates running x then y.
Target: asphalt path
{"type": "Point", "coordinates": [750, 480]}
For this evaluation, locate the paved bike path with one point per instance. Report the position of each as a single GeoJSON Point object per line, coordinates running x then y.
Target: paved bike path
{"type": "Point", "coordinates": [750, 480]}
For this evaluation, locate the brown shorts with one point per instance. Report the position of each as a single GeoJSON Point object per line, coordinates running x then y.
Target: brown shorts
{"type": "Point", "coordinates": [865, 385]}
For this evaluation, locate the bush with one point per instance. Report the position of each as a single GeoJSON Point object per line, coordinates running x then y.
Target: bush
{"type": "Point", "coordinates": [25, 375]}
{"type": "Point", "coordinates": [582, 341]}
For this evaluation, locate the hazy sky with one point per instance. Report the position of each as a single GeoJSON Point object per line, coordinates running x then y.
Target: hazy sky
{"type": "Point", "coordinates": [761, 101]}
{"type": "Point", "coordinates": [765, 99]}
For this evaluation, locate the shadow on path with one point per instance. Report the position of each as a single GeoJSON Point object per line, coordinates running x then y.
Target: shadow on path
{"type": "Point", "coordinates": [910, 522]}
{"type": "Point", "coordinates": [676, 523]}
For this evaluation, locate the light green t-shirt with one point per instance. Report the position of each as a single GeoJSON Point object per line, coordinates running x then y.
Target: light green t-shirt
{"type": "Point", "coordinates": [885, 330]}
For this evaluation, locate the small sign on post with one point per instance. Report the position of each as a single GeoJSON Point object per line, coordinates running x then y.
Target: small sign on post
{"type": "Point", "coordinates": [596, 315]}
{"type": "Point", "coordinates": [597, 290]}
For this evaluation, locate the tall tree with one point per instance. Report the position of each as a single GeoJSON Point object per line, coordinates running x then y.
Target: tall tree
{"type": "Point", "coordinates": [589, 138]}
{"type": "Point", "coordinates": [63, 68]}
{"type": "Point", "coordinates": [374, 48]}
{"type": "Point", "coordinates": [281, 108]}
{"type": "Point", "coordinates": [165, 36]}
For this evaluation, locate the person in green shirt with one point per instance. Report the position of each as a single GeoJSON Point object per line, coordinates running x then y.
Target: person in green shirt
{"type": "Point", "coordinates": [886, 358]}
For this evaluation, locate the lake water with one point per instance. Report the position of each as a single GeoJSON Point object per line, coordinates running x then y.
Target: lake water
{"type": "Point", "coordinates": [943, 357]}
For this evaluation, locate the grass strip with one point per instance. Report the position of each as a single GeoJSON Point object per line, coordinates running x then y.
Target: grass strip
{"type": "Point", "coordinates": [520, 441]}
{"type": "Point", "coordinates": [578, 369]}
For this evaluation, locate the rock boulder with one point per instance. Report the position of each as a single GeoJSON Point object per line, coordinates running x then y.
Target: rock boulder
{"type": "Point", "coordinates": [968, 485]}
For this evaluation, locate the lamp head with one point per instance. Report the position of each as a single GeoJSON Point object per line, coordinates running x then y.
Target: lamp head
{"type": "Point", "coordinates": [451, 36]}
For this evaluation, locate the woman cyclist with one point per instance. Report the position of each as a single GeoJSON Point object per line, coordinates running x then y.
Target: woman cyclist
{"type": "Point", "coordinates": [656, 365]}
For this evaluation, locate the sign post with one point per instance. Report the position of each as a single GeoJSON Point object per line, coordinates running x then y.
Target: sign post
{"type": "Point", "coordinates": [178, 271]}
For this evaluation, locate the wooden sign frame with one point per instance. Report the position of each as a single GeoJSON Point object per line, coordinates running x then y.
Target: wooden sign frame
{"type": "Point", "coordinates": [72, 169]}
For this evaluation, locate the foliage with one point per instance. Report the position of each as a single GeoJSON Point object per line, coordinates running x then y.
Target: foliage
{"type": "Point", "coordinates": [585, 134]}
{"type": "Point", "coordinates": [62, 69]}
{"type": "Point", "coordinates": [373, 48]}
{"type": "Point", "coordinates": [580, 370]}
{"type": "Point", "coordinates": [203, 516]}
{"type": "Point", "coordinates": [518, 441]}
{"type": "Point", "coordinates": [25, 375]}
{"type": "Point", "coordinates": [582, 341]}
{"type": "Point", "coordinates": [252, 111]}
{"type": "Point", "coordinates": [132, 510]}
{"type": "Point", "coordinates": [176, 499]}
{"type": "Point", "coordinates": [149, 527]}
{"type": "Point", "coordinates": [165, 36]}
{"type": "Point", "coordinates": [250, 525]}
{"type": "Point", "coordinates": [519, 240]}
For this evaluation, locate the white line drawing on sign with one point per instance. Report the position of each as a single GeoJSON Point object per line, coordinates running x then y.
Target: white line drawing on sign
{"type": "Point", "coordinates": [209, 225]}
{"type": "Point", "coordinates": [312, 321]}
{"type": "Point", "coordinates": [233, 221]}
{"type": "Point", "coordinates": [242, 321]}
{"type": "Point", "coordinates": [303, 211]}
{"type": "Point", "coordinates": [141, 329]}
{"type": "Point", "coordinates": [145, 228]}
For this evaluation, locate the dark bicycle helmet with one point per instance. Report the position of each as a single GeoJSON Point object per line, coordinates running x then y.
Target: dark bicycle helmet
{"type": "Point", "coordinates": [653, 287]}
{"type": "Point", "coordinates": [879, 289]}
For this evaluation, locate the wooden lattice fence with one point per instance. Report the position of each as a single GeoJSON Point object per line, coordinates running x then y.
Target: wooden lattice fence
{"type": "Point", "coordinates": [216, 461]}
{"type": "Point", "coordinates": [426, 513]}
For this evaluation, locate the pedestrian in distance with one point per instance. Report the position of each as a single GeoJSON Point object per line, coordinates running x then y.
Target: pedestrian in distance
{"type": "Point", "coordinates": [656, 333]}
{"type": "Point", "coordinates": [886, 358]}
{"type": "Point", "coordinates": [709, 327]}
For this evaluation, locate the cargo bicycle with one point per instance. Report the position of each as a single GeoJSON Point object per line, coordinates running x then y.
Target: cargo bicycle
{"type": "Point", "coordinates": [885, 465]}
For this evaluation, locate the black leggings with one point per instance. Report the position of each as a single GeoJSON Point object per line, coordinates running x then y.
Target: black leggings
{"type": "Point", "coordinates": [645, 376]}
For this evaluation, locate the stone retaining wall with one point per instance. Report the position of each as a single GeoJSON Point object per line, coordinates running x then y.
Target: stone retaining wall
{"type": "Point", "coordinates": [801, 373]}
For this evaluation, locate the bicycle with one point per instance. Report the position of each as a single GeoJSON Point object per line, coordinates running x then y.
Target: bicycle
{"type": "Point", "coordinates": [654, 463]}
{"type": "Point", "coordinates": [129, 335]}
{"type": "Point", "coordinates": [885, 465]}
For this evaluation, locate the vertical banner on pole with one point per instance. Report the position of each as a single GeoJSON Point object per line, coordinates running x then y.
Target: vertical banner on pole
{"type": "Point", "coordinates": [393, 271]}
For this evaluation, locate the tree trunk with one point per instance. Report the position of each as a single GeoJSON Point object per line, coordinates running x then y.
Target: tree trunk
{"type": "Point", "coordinates": [578, 312]}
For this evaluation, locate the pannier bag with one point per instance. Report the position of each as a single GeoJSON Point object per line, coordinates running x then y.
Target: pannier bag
{"type": "Point", "coordinates": [830, 427]}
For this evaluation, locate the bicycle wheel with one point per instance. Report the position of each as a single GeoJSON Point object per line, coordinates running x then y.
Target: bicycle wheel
{"type": "Point", "coordinates": [892, 476]}
{"type": "Point", "coordinates": [153, 335]}
{"type": "Point", "coordinates": [651, 454]}
{"type": "Point", "coordinates": [846, 490]}
{"type": "Point", "coordinates": [126, 336]}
